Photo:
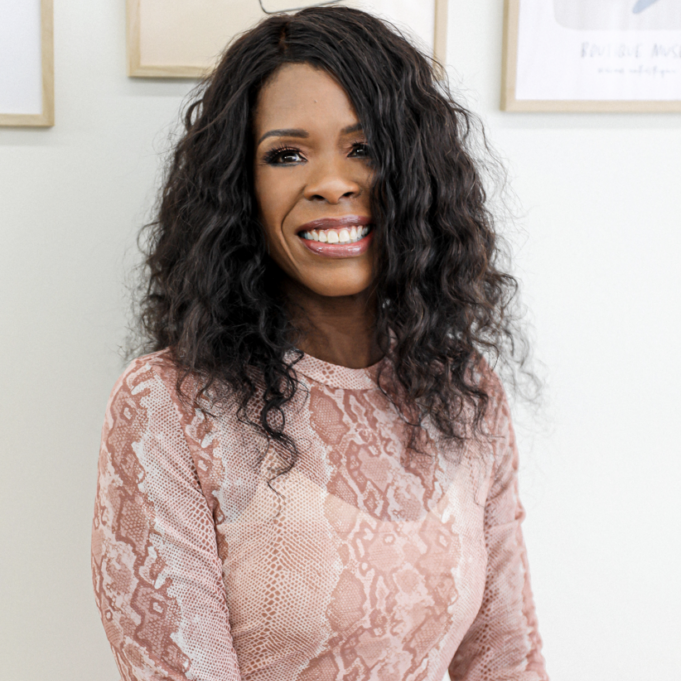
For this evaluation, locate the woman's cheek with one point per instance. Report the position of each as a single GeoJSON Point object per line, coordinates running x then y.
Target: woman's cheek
{"type": "Point", "coordinates": [276, 197]}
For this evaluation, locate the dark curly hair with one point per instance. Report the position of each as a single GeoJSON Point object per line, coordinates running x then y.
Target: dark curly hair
{"type": "Point", "coordinates": [443, 302]}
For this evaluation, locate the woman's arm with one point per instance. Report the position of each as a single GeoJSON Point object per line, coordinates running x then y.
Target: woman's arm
{"type": "Point", "coordinates": [156, 571]}
{"type": "Point", "coordinates": [503, 643]}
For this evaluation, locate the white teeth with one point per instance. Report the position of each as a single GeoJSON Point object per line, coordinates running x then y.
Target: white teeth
{"type": "Point", "coordinates": [347, 235]}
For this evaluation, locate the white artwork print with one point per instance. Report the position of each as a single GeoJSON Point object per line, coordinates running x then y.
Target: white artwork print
{"type": "Point", "coordinates": [21, 77]}
{"type": "Point", "coordinates": [618, 15]}
{"type": "Point", "coordinates": [602, 50]}
{"type": "Point", "coordinates": [195, 33]}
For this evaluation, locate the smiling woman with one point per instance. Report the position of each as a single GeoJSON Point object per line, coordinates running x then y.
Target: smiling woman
{"type": "Point", "coordinates": [313, 476]}
{"type": "Point", "coordinates": [312, 182]}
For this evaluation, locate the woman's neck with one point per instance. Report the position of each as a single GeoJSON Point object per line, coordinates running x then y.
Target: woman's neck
{"type": "Point", "coordinates": [339, 330]}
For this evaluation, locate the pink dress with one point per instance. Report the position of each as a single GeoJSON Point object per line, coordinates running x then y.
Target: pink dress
{"type": "Point", "coordinates": [366, 566]}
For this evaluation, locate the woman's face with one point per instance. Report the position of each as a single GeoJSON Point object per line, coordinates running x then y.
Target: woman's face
{"type": "Point", "coordinates": [312, 182]}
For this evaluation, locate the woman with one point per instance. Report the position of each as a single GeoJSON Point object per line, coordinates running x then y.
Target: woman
{"type": "Point", "coordinates": [313, 477]}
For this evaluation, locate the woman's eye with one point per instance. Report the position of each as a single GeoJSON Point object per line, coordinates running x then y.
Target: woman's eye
{"type": "Point", "coordinates": [284, 156]}
{"type": "Point", "coordinates": [360, 151]}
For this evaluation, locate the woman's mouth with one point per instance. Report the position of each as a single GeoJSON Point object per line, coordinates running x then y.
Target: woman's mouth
{"type": "Point", "coordinates": [345, 240]}
{"type": "Point", "coordinates": [345, 235]}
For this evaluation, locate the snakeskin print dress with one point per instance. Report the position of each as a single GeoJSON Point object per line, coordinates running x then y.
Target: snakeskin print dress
{"type": "Point", "coordinates": [367, 562]}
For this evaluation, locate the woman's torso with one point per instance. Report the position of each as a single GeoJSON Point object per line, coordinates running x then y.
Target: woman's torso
{"type": "Point", "coordinates": [368, 562]}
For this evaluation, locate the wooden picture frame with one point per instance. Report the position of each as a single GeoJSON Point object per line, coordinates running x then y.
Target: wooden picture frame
{"type": "Point", "coordinates": [511, 100]}
{"type": "Point", "coordinates": [140, 67]}
{"type": "Point", "coordinates": [45, 118]}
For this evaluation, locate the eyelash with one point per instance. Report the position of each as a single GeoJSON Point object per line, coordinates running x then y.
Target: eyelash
{"type": "Point", "coordinates": [272, 156]}
{"type": "Point", "coordinates": [277, 152]}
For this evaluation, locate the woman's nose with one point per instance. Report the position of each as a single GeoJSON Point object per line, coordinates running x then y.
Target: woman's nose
{"type": "Point", "coordinates": [331, 182]}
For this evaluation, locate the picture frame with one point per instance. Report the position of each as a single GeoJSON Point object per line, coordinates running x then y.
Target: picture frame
{"type": "Point", "coordinates": [585, 56]}
{"type": "Point", "coordinates": [27, 64]}
{"type": "Point", "coordinates": [165, 37]}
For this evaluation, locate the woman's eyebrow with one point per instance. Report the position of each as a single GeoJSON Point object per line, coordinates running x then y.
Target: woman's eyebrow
{"type": "Point", "coordinates": [299, 132]}
{"type": "Point", "coordinates": [286, 132]}
{"type": "Point", "coordinates": [357, 127]}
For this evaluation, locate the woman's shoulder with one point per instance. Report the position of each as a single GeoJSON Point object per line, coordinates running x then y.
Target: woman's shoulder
{"type": "Point", "coordinates": [159, 387]}
{"type": "Point", "coordinates": [153, 397]}
{"type": "Point", "coordinates": [497, 426]}
{"type": "Point", "coordinates": [153, 368]}
{"type": "Point", "coordinates": [484, 378]}
{"type": "Point", "coordinates": [153, 382]}
{"type": "Point", "coordinates": [494, 429]}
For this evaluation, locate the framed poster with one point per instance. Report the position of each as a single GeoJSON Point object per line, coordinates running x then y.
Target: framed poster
{"type": "Point", "coordinates": [184, 38]}
{"type": "Point", "coordinates": [592, 55]}
{"type": "Point", "coordinates": [26, 63]}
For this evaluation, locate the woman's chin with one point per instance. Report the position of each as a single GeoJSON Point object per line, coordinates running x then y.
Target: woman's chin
{"type": "Point", "coordinates": [339, 286]}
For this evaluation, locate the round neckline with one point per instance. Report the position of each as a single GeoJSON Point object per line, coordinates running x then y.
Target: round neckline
{"type": "Point", "coordinates": [338, 376]}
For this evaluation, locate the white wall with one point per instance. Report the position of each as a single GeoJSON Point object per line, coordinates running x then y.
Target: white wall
{"type": "Point", "coordinates": [599, 261]}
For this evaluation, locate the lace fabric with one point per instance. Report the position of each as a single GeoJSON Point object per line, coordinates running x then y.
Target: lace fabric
{"type": "Point", "coordinates": [364, 563]}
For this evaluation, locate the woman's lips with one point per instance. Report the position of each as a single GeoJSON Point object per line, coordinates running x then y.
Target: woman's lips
{"type": "Point", "coordinates": [338, 223]}
{"type": "Point", "coordinates": [342, 237]}
{"type": "Point", "coordinates": [339, 250]}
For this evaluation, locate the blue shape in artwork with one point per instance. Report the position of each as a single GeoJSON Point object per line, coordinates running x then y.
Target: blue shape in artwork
{"type": "Point", "coordinates": [643, 5]}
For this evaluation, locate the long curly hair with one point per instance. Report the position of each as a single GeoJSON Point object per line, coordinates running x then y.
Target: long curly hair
{"type": "Point", "coordinates": [443, 301]}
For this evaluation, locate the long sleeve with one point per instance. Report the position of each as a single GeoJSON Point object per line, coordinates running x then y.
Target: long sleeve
{"type": "Point", "coordinates": [503, 643]}
{"type": "Point", "coordinates": [156, 570]}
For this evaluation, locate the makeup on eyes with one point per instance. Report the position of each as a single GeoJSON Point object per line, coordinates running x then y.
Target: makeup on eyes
{"type": "Point", "coordinates": [272, 156]}
{"type": "Point", "coordinates": [278, 152]}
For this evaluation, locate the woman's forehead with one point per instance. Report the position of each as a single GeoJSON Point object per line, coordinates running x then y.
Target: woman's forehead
{"type": "Point", "coordinates": [298, 93]}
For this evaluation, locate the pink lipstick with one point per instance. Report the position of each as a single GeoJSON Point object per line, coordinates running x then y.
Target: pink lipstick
{"type": "Point", "coordinates": [344, 237]}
